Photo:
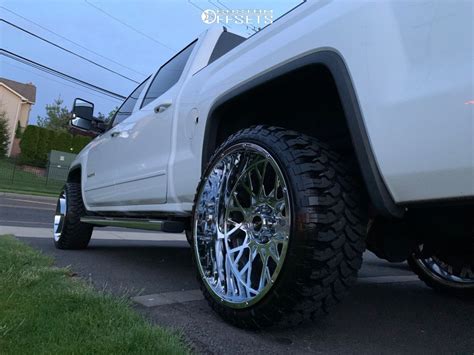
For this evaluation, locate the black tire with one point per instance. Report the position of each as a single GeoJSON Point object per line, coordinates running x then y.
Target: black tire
{"type": "Point", "coordinates": [327, 237]}
{"type": "Point", "coordinates": [74, 234]}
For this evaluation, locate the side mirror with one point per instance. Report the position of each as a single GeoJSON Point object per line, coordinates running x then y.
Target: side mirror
{"type": "Point", "coordinates": [83, 109]}
{"type": "Point", "coordinates": [83, 118]}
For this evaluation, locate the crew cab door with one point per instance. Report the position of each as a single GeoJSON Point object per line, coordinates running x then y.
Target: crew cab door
{"type": "Point", "coordinates": [102, 159]}
{"type": "Point", "coordinates": [145, 138]}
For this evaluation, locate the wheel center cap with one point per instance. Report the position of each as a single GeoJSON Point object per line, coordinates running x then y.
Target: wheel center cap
{"type": "Point", "coordinates": [262, 223]}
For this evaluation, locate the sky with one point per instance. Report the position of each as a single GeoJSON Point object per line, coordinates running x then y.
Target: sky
{"type": "Point", "coordinates": [165, 27]}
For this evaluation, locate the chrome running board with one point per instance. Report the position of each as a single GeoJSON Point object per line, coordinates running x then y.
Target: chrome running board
{"type": "Point", "coordinates": [136, 223]}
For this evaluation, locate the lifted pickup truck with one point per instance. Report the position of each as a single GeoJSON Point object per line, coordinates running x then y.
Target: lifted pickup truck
{"type": "Point", "coordinates": [282, 155]}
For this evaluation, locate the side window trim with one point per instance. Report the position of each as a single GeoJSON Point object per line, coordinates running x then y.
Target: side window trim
{"type": "Point", "coordinates": [161, 67]}
{"type": "Point", "coordinates": [111, 123]}
{"type": "Point", "coordinates": [226, 42]}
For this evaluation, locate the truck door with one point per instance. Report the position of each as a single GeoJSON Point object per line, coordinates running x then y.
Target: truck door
{"type": "Point", "coordinates": [144, 139]}
{"type": "Point", "coordinates": [103, 162]}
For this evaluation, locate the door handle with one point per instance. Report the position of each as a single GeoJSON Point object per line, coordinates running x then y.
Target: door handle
{"type": "Point", "coordinates": [163, 106]}
{"type": "Point", "coordinates": [115, 134]}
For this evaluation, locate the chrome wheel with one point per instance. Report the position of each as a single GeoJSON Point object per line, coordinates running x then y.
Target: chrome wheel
{"type": "Point", "coordinates": [451, 270]}
{"type": "Point", "coordinates": [60, 216]}
{"type": "Point", "coordinates": [242, 223]}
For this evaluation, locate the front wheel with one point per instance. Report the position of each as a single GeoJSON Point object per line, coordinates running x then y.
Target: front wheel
{"type": "Point", "coordinates": [68, 230]}
{"type": "Point", "coordinates": [279, 228]}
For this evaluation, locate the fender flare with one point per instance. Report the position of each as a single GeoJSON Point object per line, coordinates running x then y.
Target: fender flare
{"type": "Point", "coordinates": [379, 194]}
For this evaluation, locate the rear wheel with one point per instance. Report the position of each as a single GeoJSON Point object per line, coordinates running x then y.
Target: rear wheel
{"type": "Point", "coordinates": [68, 230]}
{"type": "Point", "coordinates": [444, 267]}
{"type": "Point", "coordinates": [279, 227]}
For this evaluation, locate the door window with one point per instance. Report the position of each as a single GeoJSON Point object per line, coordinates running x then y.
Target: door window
{"type": "Point", "coordinates": [168, 75]}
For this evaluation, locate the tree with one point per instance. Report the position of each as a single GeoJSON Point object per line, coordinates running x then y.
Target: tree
{"type": "Point", "coordinates": [112, 114]}
{"type": "Point", "coordinates": [107, 118]}
{"type": "Point", "coordinates": [57, 116]}
{"type": "Point", "coordinates": [4, 136]}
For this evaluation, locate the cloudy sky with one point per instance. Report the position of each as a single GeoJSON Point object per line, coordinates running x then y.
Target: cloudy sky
{"type": "Point", "coordinates": [135, 36]}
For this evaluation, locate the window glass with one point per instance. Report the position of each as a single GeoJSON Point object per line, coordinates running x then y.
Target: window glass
{"type": "Point", "coordinates": [127, 107]}
{"type": "Point", "coordinates": [168, 75]}
{"type": "Point", "coordinates": [225, 43]}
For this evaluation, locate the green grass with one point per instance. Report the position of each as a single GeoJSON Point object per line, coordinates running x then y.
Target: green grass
{"type": "Point", "coordinates": [13, 179]}
{"type": "Point", "coordinates": [43, 310]}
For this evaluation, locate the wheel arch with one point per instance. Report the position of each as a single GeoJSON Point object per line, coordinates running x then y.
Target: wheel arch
{"type": "Point", "coordinates": [259, 96]}
{"type": "Point", "coordinates": [74, 174]}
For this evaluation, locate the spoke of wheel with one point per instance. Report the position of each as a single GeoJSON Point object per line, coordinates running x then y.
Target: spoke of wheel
{"type": "Point", "coordinates": [261, 177]}
{"type": "Point", "coordinates": [274, 192]}
{"type": "Point", "coordinates": [220, 261]}
{"type": "Point", "coordinates": [263, 275]}
{"type": "Point", "coordinates": [275, 188]}
{"type": "Point", "coordinates": [241, 251]}
{"type": "Point", "coordinates": [273, 251]}
{"type": "Point", "coordinates": [244, 273]}
{"type": "Point", "coordinates": [238, 207]}
{"type": "Point", "coordinates": [249, 270]}
{"type": "Point", "coordinates": [229, 282]}
{"type": "Point", "coordinates": [237, 249]}
{"type": "Point", "coordinates": [233, 230]}
{"type": "Point", "coordinates": [249, 188]}
{"type": "Point", "coordinates": [230, 220]}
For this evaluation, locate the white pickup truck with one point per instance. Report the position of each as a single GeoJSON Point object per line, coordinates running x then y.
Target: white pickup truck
{"type": "Point", "coordinates": [282, 155]}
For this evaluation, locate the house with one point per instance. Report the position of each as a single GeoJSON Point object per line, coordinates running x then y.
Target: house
{"type": "Point", "coordinates": [16, 100]}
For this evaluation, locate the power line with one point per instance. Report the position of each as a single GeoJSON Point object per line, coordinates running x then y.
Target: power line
{"type": "Point", "coordinates": [228, 8]}
{"type": "Point", "coordinates": [71, 41]}
{"type": "Point", "coordinates": [56, 81]}
{"type": "Point", "coordinates": [62, 75]}
{"type": "Point", "coordinates": [129, 26]}
{"type": "Point", "coordinates": [220, 9]}
{"type": "Point", "coordinates": [67, 50]}
{"type": "Point", "coordinates": [197, 7]}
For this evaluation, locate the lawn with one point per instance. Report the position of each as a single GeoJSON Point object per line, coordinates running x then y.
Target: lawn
{"type": "Point", "coordinates": [13, 179]}
{"type": "Point", "coordinates": [44, 310]}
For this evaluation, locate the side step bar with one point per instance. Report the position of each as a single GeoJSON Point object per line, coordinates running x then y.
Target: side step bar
{"type": "Point", "coordinates": [136, 223]}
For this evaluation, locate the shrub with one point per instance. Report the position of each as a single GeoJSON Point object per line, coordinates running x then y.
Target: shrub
{"type": "Point", "coordinates": [41, 156]}
{"type": "Point", "coordinates": [37, 142]}
{"type": "Point", "coordinates": [28, 145]}
{"type": "Point", "coordinates": [79, 142]}
{"type": "Point", "coordinates": [51, 139]}
{"type": "Point", "coordinates": [62, 142]}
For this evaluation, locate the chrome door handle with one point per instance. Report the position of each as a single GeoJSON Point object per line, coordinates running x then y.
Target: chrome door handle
{"type": "Point", "coordinates": [163, 106]}
{"type": "Point", "coordinates": [115, 134]}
